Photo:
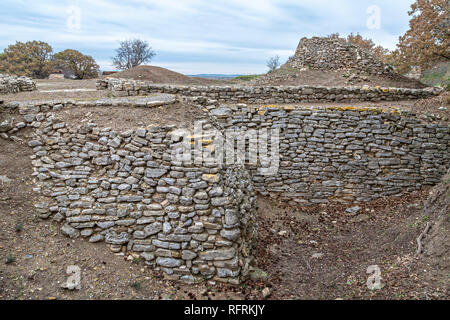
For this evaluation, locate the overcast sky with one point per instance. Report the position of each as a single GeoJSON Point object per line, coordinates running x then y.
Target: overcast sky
{"type": "Point", "coordinates": [199, 36]}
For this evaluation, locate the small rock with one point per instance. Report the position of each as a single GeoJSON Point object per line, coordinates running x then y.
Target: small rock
{"type": "Point", "coordinates": [6, 124]}
{"type": "Point", "coordinates": [282, 233]}
{"type": "Point", "coordinates": [5, 179]}
{"type": "Point", "coordinates": [360, 218]}
{"type": "Point", "coordinates": [74, 280]}
{"type": "Point", "coordinates": [69, 231]}
{"type": "Point", "coordinates": [257, 274]}
{"type": "Point", "coordinates": [317, 255]}
{"type": "Point", "coordinates": [353, 210]}
{"type": "Point", "coordinates": [266, 292]}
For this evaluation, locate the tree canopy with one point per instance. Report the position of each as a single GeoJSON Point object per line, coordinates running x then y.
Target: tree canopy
{"type": "Point", "coordinates": [82, 66]}
{"type": "Point", "coordinates": [132, 53]}
{"type": "Point", "coordinates": [32, 59]}
{"type": "Point", "coordinates": [428, 38]}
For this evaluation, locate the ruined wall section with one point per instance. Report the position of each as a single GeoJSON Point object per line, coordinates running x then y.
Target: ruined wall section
{"type": "Point", "coordinates": [193, 221]}
{"type": "Point", "coordinates": [342, 154]}
{"type": "Point", "coordinates": [334, 54]}
{"type": "Point", "coordinates": [266, 94]}
{"type": "Point", "coordinates": [12, 84]}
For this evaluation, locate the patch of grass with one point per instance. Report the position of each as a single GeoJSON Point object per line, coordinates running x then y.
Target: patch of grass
{"type": "Point", "coordinates": [136, 260]}
{"type": "Point", "coordinates": [425, 218]}
{"type": "Point", "coordinates": [10, 259]}
{"type": "Point", "coordinates": [136, 285]}
{"type": "Point", "coordinates": [19, 226]}
{"type": "Point", "coordinates": [438, 76]}
{"type": "Point", "coordinates": [247, 77]}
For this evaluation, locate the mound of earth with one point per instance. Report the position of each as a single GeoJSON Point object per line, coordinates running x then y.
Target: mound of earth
{"type": "Point", "coordinates": [335, 62]}
{"type": "Point", "coordinates": [160, 75]}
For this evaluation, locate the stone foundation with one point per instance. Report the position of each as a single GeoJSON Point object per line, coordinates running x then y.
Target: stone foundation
{"type": "Point", "coordinates": [198, 221]}
{"type": "Point", "coordinates": [342, 154]}
{"type": "Point", "coordinates": [13, 84]}
{"type": "Point", "coordinates": [266, 94]}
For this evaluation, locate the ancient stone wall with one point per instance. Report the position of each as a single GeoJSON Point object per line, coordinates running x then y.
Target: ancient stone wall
{"type": "Point", "coordinates": [198, 220]}
{"type": "Point", "coordinates": [194, 221]}
{"type": "Point", "coordinates": [266, 94]}
{"type": "Point", "coordinates": [342, 154]}
{"type": "Point", "coordinates": [334, 54]}
{"type": "Point", "coordinates": [13, 84]}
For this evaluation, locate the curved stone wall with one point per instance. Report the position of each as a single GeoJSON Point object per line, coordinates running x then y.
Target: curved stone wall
{"type": "Point", "coordinates": [266, 94]}
{"type": "Point", "coordinates": [194, 221]}
{"type": "Point", "coordinates": [198, 221]}
{"type": "Point", "coordinates": [342, 154]}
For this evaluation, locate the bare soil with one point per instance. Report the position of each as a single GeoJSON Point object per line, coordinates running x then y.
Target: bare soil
{"type": "Point", "coordinates": [34, 254]}
{"type": "Point", "coordinates": [124, 118]}
{"type": "Point", "coordinates": [58, 89]}
{"type": "Point", "coordinates": [325, 252]}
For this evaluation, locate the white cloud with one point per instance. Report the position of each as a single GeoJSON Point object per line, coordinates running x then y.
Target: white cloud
{"type": "Point", "coordinates": [235, 34]}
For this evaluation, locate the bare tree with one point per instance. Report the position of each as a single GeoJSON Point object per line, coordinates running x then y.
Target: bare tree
{"type": "Point", "coordinates": [273, 63]}
{"type": "Point", "coordinates": [132, 53]}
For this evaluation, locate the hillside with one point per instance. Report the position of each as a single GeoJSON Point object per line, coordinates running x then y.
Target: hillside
{"type": "Point", "coordinates": [161, 75]}
{"type": "Point", "coordinates": [332, 62]}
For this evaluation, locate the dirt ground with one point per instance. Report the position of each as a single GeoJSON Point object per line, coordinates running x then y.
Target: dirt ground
{"type": "Point", "coordinates": [325, 253]}
{"type": "Point", "coordinates": [307, 253]}
{"type": "Point", "coordinates": [59, 89]}
{"type": "Point", "coordinates": [125, 118]}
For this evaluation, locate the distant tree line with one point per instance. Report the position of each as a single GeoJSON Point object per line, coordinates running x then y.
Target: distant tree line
{"type": "Point", "coordinates": [36, 59]}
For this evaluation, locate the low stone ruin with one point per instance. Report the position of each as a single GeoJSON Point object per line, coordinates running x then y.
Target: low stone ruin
{"type": "Point", "coordinates": [267, 94]}
{"type": "Point", "coordinates": [13, 84]}
{"type": "Point", "coordinates": [335, 54]}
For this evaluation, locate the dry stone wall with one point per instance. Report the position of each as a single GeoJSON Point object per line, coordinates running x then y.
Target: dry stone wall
{"type": "Point", "coordinates": [266, 94]}
{"type": "Point", "coordinates": [334, 54]}
{"type": "Point", "coordinates": [342, 154]}
{"type": "Point", "coordinates": [195, 222]}
{"type": "Point", "coordinates": [198, 221]}
{"type": "Point", "coordinates": [13, 84]}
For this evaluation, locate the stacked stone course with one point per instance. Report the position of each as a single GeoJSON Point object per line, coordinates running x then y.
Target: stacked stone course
{"type": "Point", "coordinates": [195, 222]}
{"type": "Point", "coordinates": [266, 94]}
{"type": "Point", "coordinates": [12, 84]}
{"type": "Point", "coordinates": [198, 221]}
{"type": "Point", "coordinates": [342, 154]}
